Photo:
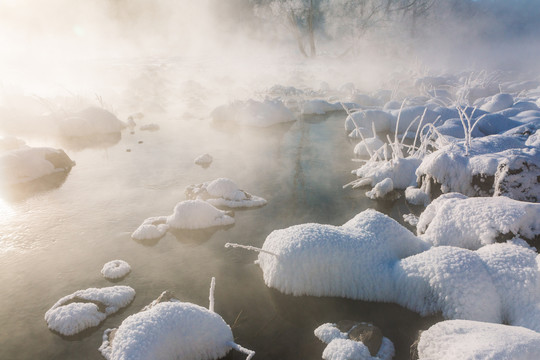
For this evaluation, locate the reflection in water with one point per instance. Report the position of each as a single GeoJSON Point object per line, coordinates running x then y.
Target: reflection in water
{"type": "Point", "coordinates": [99, 141]}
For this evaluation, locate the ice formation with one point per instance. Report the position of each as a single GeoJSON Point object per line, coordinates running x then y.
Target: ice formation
{"type": "Point", "coordinates": [26, 164]}
{"type": "Point", "coordinates": [253, 113]}
{"type": "Point", "coordinates": [115, 269]}
{"type": "Point", "coordinates": [171, 329]}
{"type": "Point", "coordinates": [87, 308]}
{"type": "Point", "coordinates": [462, 339]}
{"type": "Point", "coordinates": [89, 122]}
{"type": "Point", "coordinates": [456, 220]}
{"type": "Point", "coordinates": [373, 258]}
{"type": "Point", "coordinates": [223, 192]}
{"type": "Point", "coordinates": [203, 160]}
{"type": "Point", "coordinates": [340, 347]}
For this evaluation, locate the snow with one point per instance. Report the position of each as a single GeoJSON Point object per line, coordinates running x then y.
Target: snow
{"type": "Point", "coordinates": [340, 347]}
{"type": "Point", "coordinates": [87, 308]}
{"type": "Point", "coordinates": [381, 189]}
{"type": "Point", "coordinates": [368, 244]}
{"type": "Point", "coordinates": [319, 107]}
{"type": "Point", "coordinates": [410, 219]}
{"type": "Point", "coordinates": [197, 214]}
{"type": "Point", "coordinates": [366, 147]}
{"type": "Point", "coordinates": [365, 119]}
{"type": "Point", "coordinates": [26, 164]}
{"type": "Point", "coordinates": [170, 330]}
{"type": "Point", "coordinates": [150, 127]}
{"type": "Point", "coordinates": [89, 122]}
{"type": "Point", "coordinates": [456, 220]}
{"type": "Point", "coordinates": [148, 230]}
{"type": "Point", "coordinates": [115, 269]}
{"type": "Point", "coordinates": [203, 160]}
{"type": "Point", "coordinates": [253, 113]}
{"type": "Point", "coordinates": [416, 196]}
{"type": "Point", "coordinates": [498, 102]}
{"type": "Point", "coordinates": [401, 171]}
{"type": "Point", "coordinates": [223, 192]}
{"type": "Point", "coordinates": [462, 339]}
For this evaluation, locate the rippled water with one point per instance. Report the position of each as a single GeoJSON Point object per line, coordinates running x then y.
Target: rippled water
{"type": "Point", "coordinates": [56, 241]}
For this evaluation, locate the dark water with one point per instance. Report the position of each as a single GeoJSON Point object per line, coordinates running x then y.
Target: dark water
{"type": "Point", "coordinates": [55, 241]}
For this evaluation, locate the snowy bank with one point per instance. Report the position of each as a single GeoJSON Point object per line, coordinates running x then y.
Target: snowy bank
{"type": "Point", "coordinates": [87, 308]}
{"type": "Point", "coordinates": [223, 192]}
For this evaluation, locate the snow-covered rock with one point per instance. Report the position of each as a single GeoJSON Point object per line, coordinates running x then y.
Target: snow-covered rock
{"type": "Point", "coordinates": [412, 117]}
{"type": "Point", "coordinates": [150, 127]}
{"type": "Point", "coordinates": [87, 308]}
{"type": "Point", "coordinates": [197, 214]}
{"type": "Point", "coordinates": [368, 119]}
{"type": "Point", "coordinates": [381, 189]}
{"type": "Point", "coordinates": [401, 171]}
{"type": "Point", "coordinates": [115, 269]}
{"type": "Point", "coordinates": [90, 122]}
{"type": "Point", "coordinates": [462, 339]}
{"type": "Point", "coordinates": [319, 107]}
{"type": "Point", "coordinates": [498, 102]}
{"type": "Point", "coordinates": [253, 113]}
{"type": "Point", "coordinates": [171, 329]}
{"type": "Point", "coordinates": [365, 148]}
{"type": "Point", "coordinates": [223, 192]}
{"type": "Point", "coordinates": [151, 228]}
{"type": "Point", "coordinates": [203, 160]}
{"type": "Point", "coordinates": [456, 220]}
{"type": "Point", "coordinates": [26, 164]}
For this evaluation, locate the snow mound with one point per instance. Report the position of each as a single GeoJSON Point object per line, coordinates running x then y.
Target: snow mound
{"type": "Point", "coordinates": [223, 192]}
{"type": "Point", "coordinates": [197, 214]}
{"type": "Point", "coordinates": [149, 230]}
{"type": "Point", "coordinates": [498, 102]}
{"type": "Point", "coordinates": [90, 122]}
{"type": "Point", "coordinates": [253, 113]}
{"type": "Point", "coordinates": [319, 107]}
{"type": "Point", "coordinates": [296, 259]}
{"type": "Point", "coordinates": [170, 329]}
{"type": "Point", "coordinates": [381, 189]}
{"type": "Point", "coordinates": [203, 160]}
{"type": "Point", "coordinates": [366, 147]}
{"type": "Point", "coordinates": [456, 220]}
{"type": "Point", "coordinates": [366, 119]}
{"type": "Point", "coordinates": [26, 164]}
{"type": "Point", "coordinates": [150, 127]}
{"type": "Point", "coordinates": [402, 172]}
{"type": "Point", "coordinates": [87, 308]}
{"type": "Point", "coordinates": [462, 339]}
{"type": "Point", "coordinates": [115, 269]}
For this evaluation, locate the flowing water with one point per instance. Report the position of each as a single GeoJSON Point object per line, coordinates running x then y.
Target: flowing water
{"type": "Point", "coordinates": [54, 241]}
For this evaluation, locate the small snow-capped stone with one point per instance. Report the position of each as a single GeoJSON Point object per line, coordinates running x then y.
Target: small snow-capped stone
{"type": "Point", "coordinates": [198, 214]}
{"type": "Point", "coordinates": [115, 269]}
{"type": "Point", "coordinates": [203, 160]}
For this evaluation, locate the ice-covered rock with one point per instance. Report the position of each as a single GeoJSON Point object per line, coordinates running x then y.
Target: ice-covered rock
{"type": "Point", "coordinates": [456, 220]}
{"type": "Point", "coordinates": [26, 164]}
{"type": "Point", "coordinates": [472, 170]}
{"type": "Point", "coordinates": [204, 160]}
{"type": "Point", "coordinates": [223, 192]}
{"type": "Point", "coordinates": [498, 102]}
{"type": "Point", "coordinates": [90, 122]}
{"type": "Point", "coordinates": [462, 339]}
{"type": "Point", "coordinates": [253, 113]}
{"type": "Point", "coordinates": [151, 228]}
{"type": "Point", "coordinates": [319, 107]}
{"type": "Point", "coordinates": [198, 214]}
{"type": "Point", "coordinates": [352, 340]}
{"type": "Point", "coordinates": [171, 329]}
{"type": "Point", "coordinates": [115, 269]}
{"type": "Point", "coordinates": [87, 308]}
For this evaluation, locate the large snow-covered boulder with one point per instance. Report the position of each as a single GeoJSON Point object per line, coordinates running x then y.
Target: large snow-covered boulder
{"type": "Point", "coordinates": [170, 329]}
{"type": "Point", "coordinates": [462, 339]}
{"type": "Point", "coordinates": [223, 192]}
{"type": "Point", "coordinates": [87, 308]}
{"type": "Point", "coordinates": [353, 260]}
{"type": "Point", "coordinates": [89, 122]}
{"type": "Point", "coordinates": [253, 113]}
{"type": "Point", "coordinates": [456, 220]}
{"type": "Point", "coordinates": [26, 164]}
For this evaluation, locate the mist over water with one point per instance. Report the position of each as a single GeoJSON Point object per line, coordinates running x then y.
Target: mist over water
{"type": "Point", "coordinates": [174, 62]}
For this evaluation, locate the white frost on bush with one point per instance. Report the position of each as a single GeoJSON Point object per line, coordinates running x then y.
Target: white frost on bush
{"type": "Point", "coordinates": [456, 220]}
{"type": "Point", "coordinates": [224, 192]}
{"type": "Point", "coordinates": [253, 113]}
{"type": "Point", "coordinates": [381, 189]}
{"type": "Point", "coordinates": [87, 308]}
{"type": "Point", "coordinates": [26, 164]}
{"type": "Point", "coordinates": [115, 269]}
{"type": "Point", "coordinates": [203, 160]}
{"type": "Point", "coordinates": [462, 339]}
